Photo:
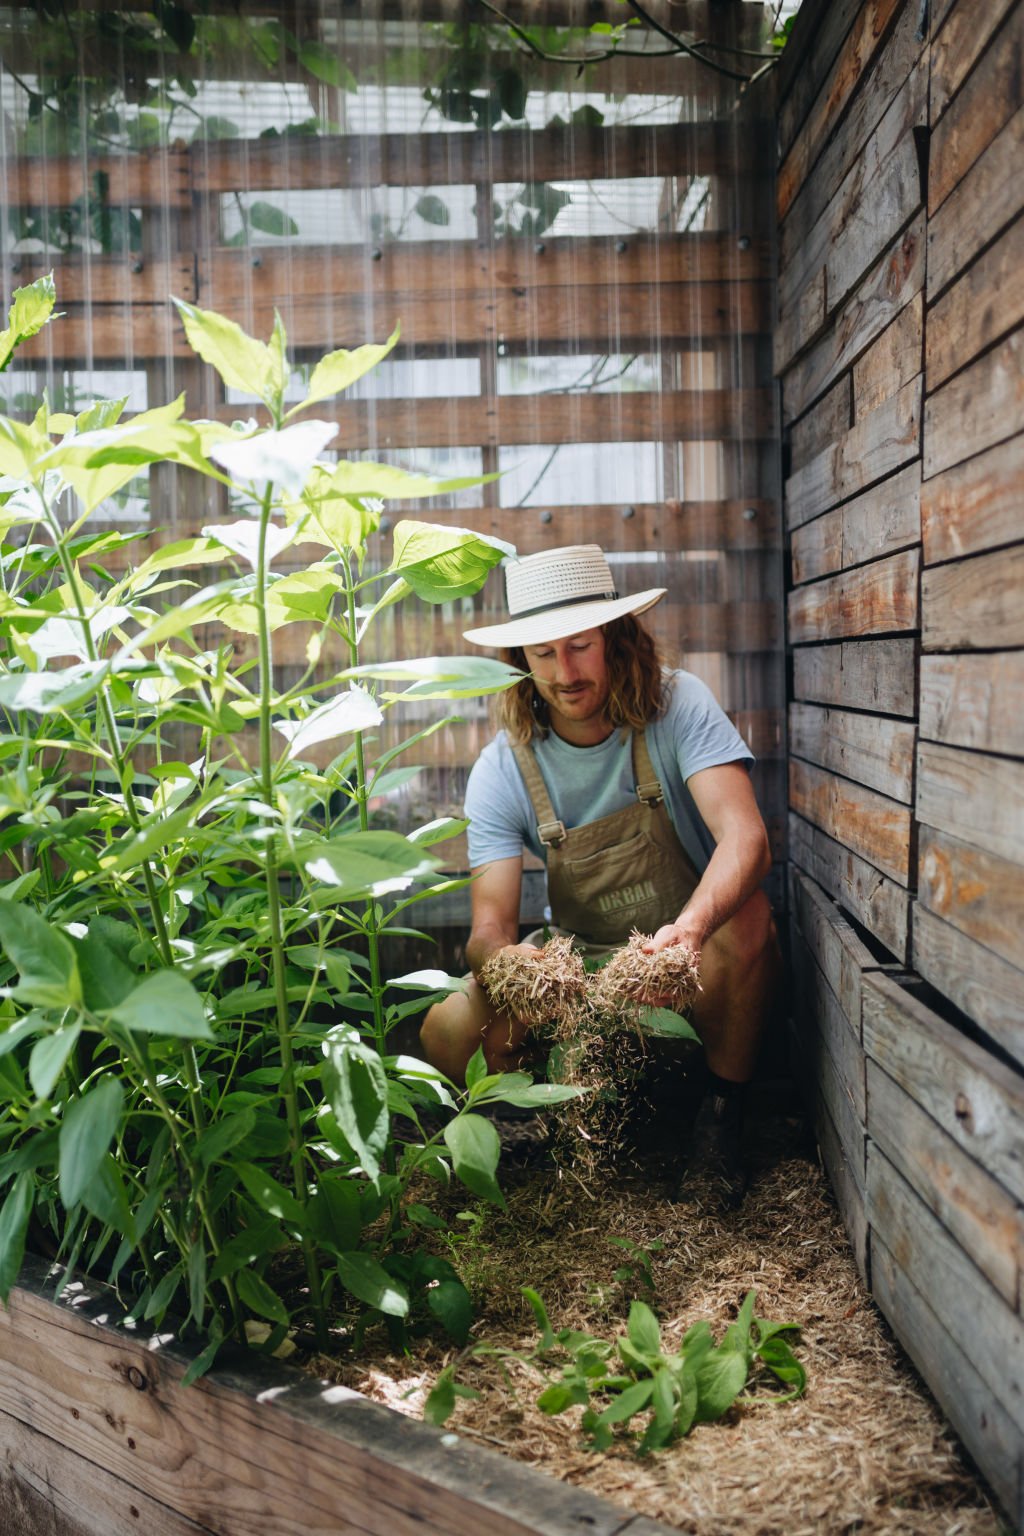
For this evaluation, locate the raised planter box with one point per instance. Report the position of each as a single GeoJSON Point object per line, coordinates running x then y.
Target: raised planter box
{"type": "Point", "coordinates": [100, 1439]}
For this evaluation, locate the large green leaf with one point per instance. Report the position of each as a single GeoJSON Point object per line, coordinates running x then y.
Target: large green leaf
{"type": "Point", "coordinates": [361, 477]}
{"type": "Point", "coordinates": [45, 958]}
{"type": "Point", "coordinates": [242, 362]}
{"type": "Point", "coordinates": [283, 458]}
{"type": "Point", "coordinates": [165, 1004]}
{"type": "Point", "coordinates": [365, 863]}
{"type": "Point", "coordinates": [334, 1213]}
{"type": "Point", "coordinates": [721, 1376]}
{"type": "Point", "coordinates": [53, 692]}
{"type": "Point", "coordinates": [97, 463]}
{"type": "Point", "coordinates": [270, 1195]}
{"type": "Point", "coordinates": [14, 1220]}
{"type": "Point", "coordinates": [356, 1089]}
{"type": "Point", "coordinates": [22, 446]}
{"type": "Point", "coordinates": [372, 1285]}
{"type": "Point", "coordinates": [87, 1129]}
{"type": "Point", "coordinates": [475, 1148]}
{"type": "Point", "coordinates": [337, 370]}
{"type": "Point", "coordinates": [441, 677]}
{"type": "Point", "coordinates": [31, 307]}
{"type": "Point", "coordinates": [48, 1057]}
{"type": "Point", "coordinates": [642, 1329]}
{"type": "Point", "coordinates": [257, 1295]}
{"type": "Point", "coordinates": [451, 1304]}
{"type": "Point", "coordinates": [444, 563]}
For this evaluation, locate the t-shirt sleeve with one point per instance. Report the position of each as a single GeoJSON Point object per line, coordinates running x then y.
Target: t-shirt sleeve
{"type": "Point", "coordinates": [702, 733]}
{"type": "Point", "coordinates": [497, 805]}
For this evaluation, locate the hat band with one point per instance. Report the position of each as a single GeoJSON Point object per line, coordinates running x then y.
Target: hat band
{"type": "Point", "coordinates": [565, 602]}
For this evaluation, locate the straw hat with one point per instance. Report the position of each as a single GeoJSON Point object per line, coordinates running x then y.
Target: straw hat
{"type": "Point", "coordinates": [557, 593]}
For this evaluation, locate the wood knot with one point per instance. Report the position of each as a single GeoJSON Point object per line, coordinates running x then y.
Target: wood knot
{"type": "Point", "coordinates": [964, 1113]}
{"type": "Point", "coordinates": [137, 1378]}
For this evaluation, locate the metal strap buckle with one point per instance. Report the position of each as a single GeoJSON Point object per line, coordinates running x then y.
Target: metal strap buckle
{"type": "Point", "coordinates": [650, 793]}
{"type": "Point", "coordinates": [551, 833]}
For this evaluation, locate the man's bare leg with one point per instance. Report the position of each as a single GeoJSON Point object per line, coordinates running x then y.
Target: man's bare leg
{"type": "Point", "coordinates": [454, 1028]}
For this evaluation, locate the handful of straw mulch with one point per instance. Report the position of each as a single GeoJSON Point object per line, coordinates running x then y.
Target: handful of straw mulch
{"type": "Point", "coordinates": [582, 1015]}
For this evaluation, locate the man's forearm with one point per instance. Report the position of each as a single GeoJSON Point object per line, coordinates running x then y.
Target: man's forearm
{"type": "Point", "coordinates": [483, 942]}
{"type": "Point", "coordinates": [734, 872]}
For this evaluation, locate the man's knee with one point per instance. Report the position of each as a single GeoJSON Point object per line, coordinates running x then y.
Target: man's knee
{"type": "Point", "coordinates": [748, 937]}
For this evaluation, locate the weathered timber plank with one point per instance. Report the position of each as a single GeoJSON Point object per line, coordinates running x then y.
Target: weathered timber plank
{"type": "Point", "coordinates": [887, 289]}
{"type": "Point", "coordinates": [973, 796]}
{"type": "Point", "coordinates": [983, 203]}
{"type": "Point", "coordinates": [979, 1214]}
{"type": "Point", "coordinates": [880, 904]}
{"type": "Point", "coordinates": [987, 989]}
{"type": "Point", "coordinates": [454, 159]}
{"type": "Point", "coordinates": [630, 314]}
{"type": "Point", "coordinates": [957, 1292]}
{"type": "Point", "coordinates": [47, 1490]}
{"type": "Point", "coordinates": [878, 196]}
{"type": "Point", "coordinates": [986, 303]}
{"type": "Point", "coordinates": [986, 102]}
{"type": "Point", "coordinates": [838, 950]}
{"type": "Point", "coordinates": [861, 109]}
{"type": "Point", "coordinates": [876, 599]}
{"type": "Point", "coordinates": [878, 522]}
{"type": "Point", "coordinates": [879, 675]}
{"type": "Point", "coordinates": [964, 35]}
{"type": "Point", "coordinates": [973, 1095]}
{"type": "Point", "coordinates": [869, 749]}
{"type": "Point", "coordinates": [869, 824]}
{"type": "Point", "coordinates": [974, 701]}
{"type": "Point", "coordinates": [804, 320]}
{"type": "Point", "coordinates": [977, 891]}
{"type": "Point", "coordinates": [688, 415]}
{"type": "Point", "coordinates": [892, 361]}
{"type": "Point", "coordinates": [827, 419]}
{"type": "Point", "coordinates": [150, 178]}
{"type": "Point", "coordinates": [976, 408]}
{"type": "Point", "coordinates": [121, 280]}
{"type": "Point", "coordinates": [880, 443]}
{"type": "Point", "coordinates": [818, 35]}
{"type": "Point", "coordinates": [974, 604]}
{"type": "Point", "coordinates": [975, 505]}
{"type": "Point", "coordinates": [986, 1428]}
{"type": "Point", "coordinates": [834, 1060]}
{"type": "Point", "coordinates": [259, 1450]}
{"type": "Point", "coordinates": [461, 265]}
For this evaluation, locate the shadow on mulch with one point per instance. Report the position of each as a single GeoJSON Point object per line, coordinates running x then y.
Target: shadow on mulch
{"type": "Point", "coordinates": [866, 1449]}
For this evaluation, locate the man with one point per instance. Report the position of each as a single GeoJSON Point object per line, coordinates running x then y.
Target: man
{"type": "Point", "coordinates": [634, 787]}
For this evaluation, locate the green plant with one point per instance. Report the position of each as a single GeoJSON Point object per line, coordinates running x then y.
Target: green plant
{"type": "Point", "coordinates": [194, 1012]}
{"type": "Point", "coordinates": [635, 1374]}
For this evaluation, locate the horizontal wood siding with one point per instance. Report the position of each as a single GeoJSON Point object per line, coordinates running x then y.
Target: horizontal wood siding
{"type": "Point", "coordinates": [900, 356]}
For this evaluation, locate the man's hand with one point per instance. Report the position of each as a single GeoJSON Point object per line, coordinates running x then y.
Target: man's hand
{"type": "Point", "coordinates": [673, 933]}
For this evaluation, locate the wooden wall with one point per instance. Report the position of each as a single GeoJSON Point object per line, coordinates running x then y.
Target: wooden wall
{"type": "Point", "coordinates": [900, 353]}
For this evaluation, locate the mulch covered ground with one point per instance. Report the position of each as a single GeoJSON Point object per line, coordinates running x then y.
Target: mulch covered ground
{"type": "Point", "coordinates": [865, 1450]}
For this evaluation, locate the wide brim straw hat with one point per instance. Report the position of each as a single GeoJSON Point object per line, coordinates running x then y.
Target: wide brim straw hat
{"type": "Point", "coordinates": [557, 593]}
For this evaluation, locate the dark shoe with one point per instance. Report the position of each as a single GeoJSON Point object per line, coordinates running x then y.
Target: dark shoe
{"type": "Point", "coordinates": [716, 1145]}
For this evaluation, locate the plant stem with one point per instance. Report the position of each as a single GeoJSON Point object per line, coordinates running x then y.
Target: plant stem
{"type": "Point", "coordinates": [284, 1030]}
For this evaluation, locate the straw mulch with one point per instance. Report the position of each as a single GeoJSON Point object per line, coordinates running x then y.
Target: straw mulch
{"type": "Point", "coordinates": [866, 1450]}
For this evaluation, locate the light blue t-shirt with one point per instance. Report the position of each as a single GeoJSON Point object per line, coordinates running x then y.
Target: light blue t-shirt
{"type": "Point", "coordinates": [586, 783]}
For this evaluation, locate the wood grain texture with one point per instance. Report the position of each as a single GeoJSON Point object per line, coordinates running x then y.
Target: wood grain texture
{"type": "Point", "coordinates": [972, 1094]}
{"type": "Point", "coordinates": [986, 1428]}
{"type": "Point", "coordinates": [974, 604]}
{"type": "Point", "coordinates": [878, 522]}
{"type": "Point", "coordinates": [829, 418]}
{"type": "Point", "coordinates": [974, 701]}
{"type": "Point", "coordinates": [976, 408]}
{"type": "Point", "coordinates": [986, 101]}
{"type": "Point", "coordinates": [260, 1449]}
{"type": "Point", "coordinates": [121, 280]}
{"type": "Point", "coordinates": [975, 505]}
{"type": "Point", "coordinates": [878, 903]}
{"type": "Point", "coordinates": [833, 1061]}
{"type": "Point", "coordinates": [883, 441]}
{"type": "Point", "coordinates": [871, 825]}
{"type": "Point", "coordinates": [984, 202]}
{"type": "Point", "coordinates": [965, 34]}
{"type": "Point", "coordinates": [892, 361]}
{"type": "Point", "coordinates": [838, 950]}
{"type": "Point", "coordinates": [975, 890]}
{"type": "Point", "coordinates": [987, 989]}
{"type": "Point", "coordinates": [152, 178]}
{"type": "Point", "coordinates": [878, 675]}
{"type": "Point", "coordinates": [884, 292]}
{"type": "Point", "coordinates": [983, 305]}
{"type": "Point", "coordinates": [876, 599]}
{"type": "Point", "coordinates": [869, 749]}
{"type": "Point", "coordinates": [953, 1287]}
{"type": "Point", "coordinates": [972, 796]}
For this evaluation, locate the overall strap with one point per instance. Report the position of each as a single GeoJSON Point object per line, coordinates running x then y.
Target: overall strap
{"type": "Point", "coordinates": [550, 830]}
{"type": "Point", "coordinates": [648, 786]}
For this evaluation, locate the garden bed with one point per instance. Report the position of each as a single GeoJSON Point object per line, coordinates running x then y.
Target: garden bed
{"type": "Point", "coordinates": [100, 1439]}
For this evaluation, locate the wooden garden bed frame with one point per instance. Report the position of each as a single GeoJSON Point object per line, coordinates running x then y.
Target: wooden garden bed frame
{"type": "Point", "coordinates": [100, 1439]}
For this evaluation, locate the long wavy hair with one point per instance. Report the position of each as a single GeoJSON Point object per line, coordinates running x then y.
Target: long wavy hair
{"type": "Point", "coordinates": [636, 685]}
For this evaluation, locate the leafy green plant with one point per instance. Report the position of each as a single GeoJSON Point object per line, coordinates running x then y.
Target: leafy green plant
{"type": "Point", "coordinates": [195, 1018]}
{"type": "Point", "coordinates": [614, 1381]}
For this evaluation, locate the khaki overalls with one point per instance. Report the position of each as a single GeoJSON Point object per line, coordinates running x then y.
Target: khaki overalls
{"type": "Point", "coordinates": [623, 871]}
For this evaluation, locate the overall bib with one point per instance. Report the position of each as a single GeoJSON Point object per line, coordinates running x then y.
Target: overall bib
{"type": "Point", "coordinates": [623, 871]}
